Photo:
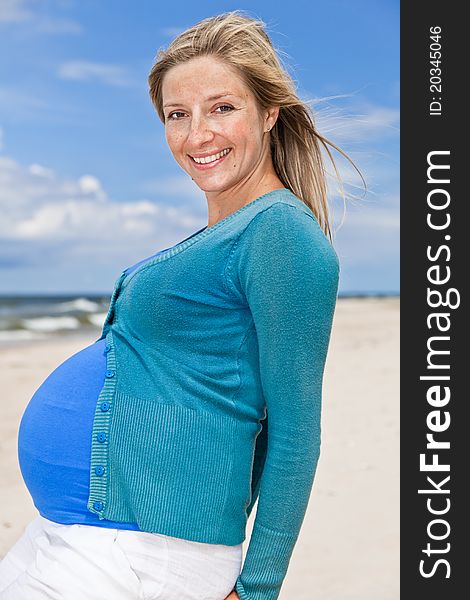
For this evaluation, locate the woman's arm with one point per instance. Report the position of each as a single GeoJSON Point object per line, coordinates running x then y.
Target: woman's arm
{"type": "Point", "coordinates": [288, 272]}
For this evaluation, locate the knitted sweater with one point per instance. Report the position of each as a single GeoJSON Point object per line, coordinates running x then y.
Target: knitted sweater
{"type": "Point", "coordinates": [54, 436]}
{"type": "Point", "coordinates": [206, 343]}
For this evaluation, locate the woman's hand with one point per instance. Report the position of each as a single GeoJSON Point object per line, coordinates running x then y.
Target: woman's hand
{"type": "Point", "coordinates": [233, 596]}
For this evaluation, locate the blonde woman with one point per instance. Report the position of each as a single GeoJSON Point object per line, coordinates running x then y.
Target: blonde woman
{"type": "Point", "coordinates": [146, 451]}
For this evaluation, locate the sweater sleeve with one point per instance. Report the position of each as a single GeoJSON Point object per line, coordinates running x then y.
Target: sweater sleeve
{"type": "Point", "coordinates": [285, 268]}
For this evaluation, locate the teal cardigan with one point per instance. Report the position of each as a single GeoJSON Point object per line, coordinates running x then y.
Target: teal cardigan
{"type": "Point", "coordinates": [206, 343]}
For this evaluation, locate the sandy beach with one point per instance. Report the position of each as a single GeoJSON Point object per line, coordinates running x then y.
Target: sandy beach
{"type": "Point", "coordinates": [348, 548]}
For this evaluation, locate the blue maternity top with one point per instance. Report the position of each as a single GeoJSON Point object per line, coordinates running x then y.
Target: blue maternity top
{"type": "Point", "coordinates": [54, 438]}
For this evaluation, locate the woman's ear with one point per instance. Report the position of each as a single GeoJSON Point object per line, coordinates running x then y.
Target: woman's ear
{"type": "Point", "coordinates": [272, 115]}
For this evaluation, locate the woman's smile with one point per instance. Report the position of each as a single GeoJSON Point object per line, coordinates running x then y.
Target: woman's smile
{"type": "Point", "coordinates": [202, 163]}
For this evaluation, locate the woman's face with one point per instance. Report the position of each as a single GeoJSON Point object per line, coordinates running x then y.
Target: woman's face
{"type": "Point", "coordinates": [209, 110]}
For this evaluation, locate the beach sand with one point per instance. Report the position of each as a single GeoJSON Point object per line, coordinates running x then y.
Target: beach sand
{"type": "Point", "coordinates": [348, 547]}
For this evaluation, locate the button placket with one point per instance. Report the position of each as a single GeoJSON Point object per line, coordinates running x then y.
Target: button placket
{"type": "Point", "coordinates": [100, 433]}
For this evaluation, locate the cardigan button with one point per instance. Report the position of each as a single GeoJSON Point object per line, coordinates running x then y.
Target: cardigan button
{"type": "Point", "coordinates": [99, 470]}
{"type": "Point", "coordinates": [101, 437]}
{"type": "Point", "coordinates": [107, 348]}
{"type": "Point", "coordinates": [109, 373]}
{"type": "Point", "coordinates": [105, 406]}
{"type": "Point", "coordinates": [98, 505]}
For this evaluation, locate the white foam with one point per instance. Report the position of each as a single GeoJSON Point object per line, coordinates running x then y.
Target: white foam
{"type": "Point", "coordinates": [49, 324]}
{"type": "Point", "coordinates": [97, 319]}
{"type": "Point", "coordinates": [82, 304]}
{"type": "Point", "coordinates": [14, 335]}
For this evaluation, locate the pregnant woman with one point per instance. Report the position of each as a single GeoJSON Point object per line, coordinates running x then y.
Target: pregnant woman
{"type": "Point", "coordinates": [146, 451]}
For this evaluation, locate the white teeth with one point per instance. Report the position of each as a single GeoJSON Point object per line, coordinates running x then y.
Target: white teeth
{"type": "Point", "coordinates": [208, 159]}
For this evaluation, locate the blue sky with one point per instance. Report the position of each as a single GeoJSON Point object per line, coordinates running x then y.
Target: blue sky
{"type": "Point", "coordinates": [87, 183]}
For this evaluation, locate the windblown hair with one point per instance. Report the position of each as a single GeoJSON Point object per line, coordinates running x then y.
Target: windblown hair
{"type": "Point", "coordinates": [296, 146]}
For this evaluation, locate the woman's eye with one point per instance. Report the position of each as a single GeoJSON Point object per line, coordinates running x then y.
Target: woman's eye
{"type": "Point", "coordinates": [170, 116]}
{"type": "Point", "coordinates": [225, 106]}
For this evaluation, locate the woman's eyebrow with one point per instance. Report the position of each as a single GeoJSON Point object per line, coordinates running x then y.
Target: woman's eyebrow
{"type": "Point", "coordinates": [214, 97]}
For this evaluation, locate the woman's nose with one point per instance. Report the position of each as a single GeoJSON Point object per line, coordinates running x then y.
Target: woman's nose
{"type": "Point", "coordinates": [199, 131]}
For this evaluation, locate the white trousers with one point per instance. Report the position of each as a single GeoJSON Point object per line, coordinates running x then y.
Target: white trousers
{"type": "Point", "coordinates": [52, 561]}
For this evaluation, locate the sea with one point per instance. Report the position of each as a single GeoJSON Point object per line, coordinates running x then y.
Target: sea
{"type": "Point", "coordinates": [28, 318]}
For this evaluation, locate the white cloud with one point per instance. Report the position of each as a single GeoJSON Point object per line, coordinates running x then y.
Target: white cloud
{"type": "Point", "coordinates": [30, 12]}
{"type": "Point", "coordinates": [373, 215]}
{"type": "Point", "coordinates": [59, 234]}
{"type": "Point", "coordinates": [372, 208]}
{"type": "Point", "coordinates": [41, 171]}
{"type": "Point", "coordinates": [369, 232]}
{"type": "Point", "coordinates": [361, 122]}
{"type": "Point", "coordinates": [16, 102]}
{"type": "Point", "coordinates": [79, 70]}
{"type": "Point", "coordinates": [37, 205]}
{"type": "Point", "coordinates": [14, 11]}
{"type": "Point", "coordinates": [91, 185]}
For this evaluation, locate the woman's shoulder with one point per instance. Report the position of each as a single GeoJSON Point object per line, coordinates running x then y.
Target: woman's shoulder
{"type": "Point", "coordinates": [287, 224]}
{"type": "Point", "coordinates": [283, 245]}
{"type": "Point", "coordinates": [283, 254]}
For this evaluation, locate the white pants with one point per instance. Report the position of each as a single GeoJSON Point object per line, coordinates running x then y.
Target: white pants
{"type": "Point", "coordinates": [52, 561]}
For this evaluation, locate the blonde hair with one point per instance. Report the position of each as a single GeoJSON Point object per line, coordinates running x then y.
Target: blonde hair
{"type": "Point", "coordinates": [296, 146]}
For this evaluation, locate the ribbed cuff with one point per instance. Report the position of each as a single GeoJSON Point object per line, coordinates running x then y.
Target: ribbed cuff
{"type": "Point", "coordinates": [240, 589]}
{"type": "Point", "coordinates": [266, 563]}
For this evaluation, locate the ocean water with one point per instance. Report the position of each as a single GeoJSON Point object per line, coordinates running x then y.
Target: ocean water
{"type": "Point", "coordinates": [24, 318]}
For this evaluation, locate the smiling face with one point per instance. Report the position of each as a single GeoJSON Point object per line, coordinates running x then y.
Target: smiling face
{"type": "Point", "coordinates": [213, 126]}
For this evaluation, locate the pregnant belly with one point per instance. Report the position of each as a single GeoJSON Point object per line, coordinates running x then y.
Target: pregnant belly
{"type": "Point", "coordinates": [54, 438]}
